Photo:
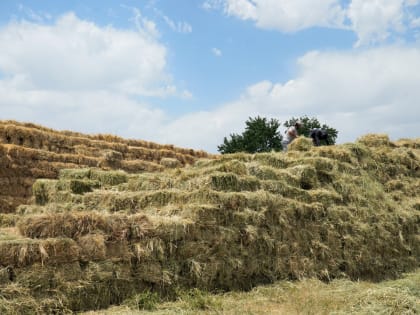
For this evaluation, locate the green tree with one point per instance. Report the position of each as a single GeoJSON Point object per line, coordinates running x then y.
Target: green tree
{"type": "Point", "coordinates": [311, 123]}
{"type": "Point", "coordinates": [260, 135]}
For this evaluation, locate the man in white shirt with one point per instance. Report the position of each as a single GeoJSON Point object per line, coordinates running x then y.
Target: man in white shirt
{"type": "Point", "coordinates": [291, 134]}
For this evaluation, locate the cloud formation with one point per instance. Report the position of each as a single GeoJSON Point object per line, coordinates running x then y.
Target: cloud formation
{"type": "Point", "coordinates": [73, 54]}
{"type": "Point", "coordinates": [73, 74]}
{"type": "Point", "coordinates": [286, 16]}
{"type": "Point", "coordinates": [373, 21]}
{"type": "Point", "coordinates": [180, 27]}
{"type": "Point", "coordinates": [83, 111]}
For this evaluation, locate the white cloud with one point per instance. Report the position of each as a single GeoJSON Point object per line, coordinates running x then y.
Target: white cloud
{"type": "Point", "coordinates": [32, 15]}
{"type": "Point", "coordinates": [73, 54]}
{"type": "Point", "coordinates": [243, 9]}
{"type": "Point", "coordinates": [217, 52]}
{"type": "Point", "coordinates": [415, 23]}
{"type": "Point", "coordinates": [285, 16]}
{"type": "Point", "coordinates": [146, 27]}
{"type": "Point", "coordinates": [372, 20]}
{"type": "Point", "coordinates": [212, 4]}
{"type": "Point", "coordinates": [412, 3]}
{"type": "Point", "coordinates": [373, 91]}
{"type": "Point", "coordinates": [180, 27]}
{"type": "Point", "coordinates": [73, 74]}
{"type": "Point", "coordinates": [85, 111]}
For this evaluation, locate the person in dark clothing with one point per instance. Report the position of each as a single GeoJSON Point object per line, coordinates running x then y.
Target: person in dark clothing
{"type": "Point", "coordinates": [317, 135]}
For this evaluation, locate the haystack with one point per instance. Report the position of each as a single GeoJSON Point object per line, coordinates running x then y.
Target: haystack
{"type": "Point", "coordinates": [96, 237]}
{"type": "Point", "coordinates": [301, 144]}
{"type": "Point", "coordinates": [29, 152]}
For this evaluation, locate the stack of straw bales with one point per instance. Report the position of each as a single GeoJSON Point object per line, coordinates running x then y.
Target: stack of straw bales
{"type": "Point", "coordinates": [28, 152]}
{"type": "Point", "coordinates": [93, 238]}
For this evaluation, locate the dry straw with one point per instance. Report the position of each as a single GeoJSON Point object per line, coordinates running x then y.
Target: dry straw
{"type": "Point", "coordinates": [29, 151]}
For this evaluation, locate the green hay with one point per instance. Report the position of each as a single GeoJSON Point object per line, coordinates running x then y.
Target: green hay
{"type": "Point", "coordinates": [326, 197]}
{"type": "Point", "coordinates": [75, 225]}
{"type": "Point", "coordinates": [42, 189]}
{"type": "Point", "coordinates": [263, 172]}
{"type": "Point", "coordinates": [341, 154]}
{"type": "Point", "coordinates": [358, 150]}
{"type": "Point", "coordinates": [233, 166]}
{"type": "Point", "coordinates": [82, 296]}
{"type": "Point", "coordinates": [276, 160]}
{"type": "Point", "coordinates": [83, 173]}
{"type": "Point", "coordinates": [196, 299]}
{"type": "Point", "coordinates": [131, 202]}
{"type": "Point", "coordinates": [140, 182]}
{"type": "Point", "coordinates": [231, 182]}
{"type": "Point", "coordinates": [143, 301]}
{"type": "Point", "coordinates": [306, 175]}
{"type": "Point", "coordinates": [153, 273]}
{"type": "Point", "coordinates": [8, 219]}
{"type": "Point", "coordinates": [69, 287]}
{"type": "Point", "coordinates": [309, 296]}
{"type": "Point", "coordinates": [111, 178]}
{"type": "Point", "coordinates": [282, 188]}
{"type": "Point", "coordinates": [105, 178]}
{"type": "Point", "coordinates": [77, 186]}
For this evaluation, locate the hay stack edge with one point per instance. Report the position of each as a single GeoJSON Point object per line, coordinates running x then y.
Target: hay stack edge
{"type": "Point", "coordinates": [89, 221]}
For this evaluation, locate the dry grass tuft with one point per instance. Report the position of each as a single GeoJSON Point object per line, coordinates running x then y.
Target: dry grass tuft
{"type": "Point", "coordinates": [308, 296]}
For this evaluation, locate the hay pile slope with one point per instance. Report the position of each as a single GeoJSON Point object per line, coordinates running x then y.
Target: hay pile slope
{"type": "Point", "coordinates": [93, 238]}
{"type": "Point", "coordinates": [28, 152]}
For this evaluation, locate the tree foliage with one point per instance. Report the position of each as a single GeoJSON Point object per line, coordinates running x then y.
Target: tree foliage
{"type": "Point", "coordinates": [312, 123]}
{"type": "Point", "coordinates": [260, 135]}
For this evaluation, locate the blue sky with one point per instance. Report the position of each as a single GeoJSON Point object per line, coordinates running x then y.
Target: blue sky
{"type": "Point", "coordinates": [191, 72]}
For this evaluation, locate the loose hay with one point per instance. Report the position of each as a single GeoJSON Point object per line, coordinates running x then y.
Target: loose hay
{"type": "Point", "coordinates": [301, 144]}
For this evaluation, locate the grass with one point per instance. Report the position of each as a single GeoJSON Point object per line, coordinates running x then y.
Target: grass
{"type": "Point", "coordinates": [309, 296]}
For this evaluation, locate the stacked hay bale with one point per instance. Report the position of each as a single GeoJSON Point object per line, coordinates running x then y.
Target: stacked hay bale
{"type": "Point", "coordinates": [93, 238]}
{"type": "Point", "coordinates": [28, 152]}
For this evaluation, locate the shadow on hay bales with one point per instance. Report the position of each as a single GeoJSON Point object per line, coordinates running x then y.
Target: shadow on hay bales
{"type": "Point", "coordinates": [94, 238]}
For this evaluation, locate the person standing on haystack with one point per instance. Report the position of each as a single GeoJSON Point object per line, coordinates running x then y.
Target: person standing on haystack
{"type": "Point", "coordinates": [291, 134]}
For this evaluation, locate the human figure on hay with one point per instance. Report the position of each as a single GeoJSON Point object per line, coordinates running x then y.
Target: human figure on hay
{"type": "Point", "coordinates": [291, 134]}
{"type": "Point", "coordinates": [317, 135]}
